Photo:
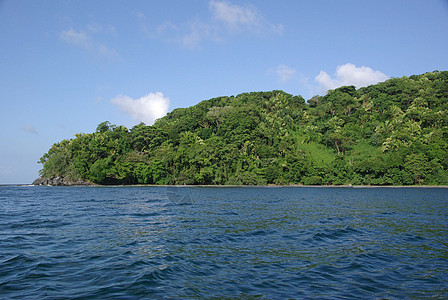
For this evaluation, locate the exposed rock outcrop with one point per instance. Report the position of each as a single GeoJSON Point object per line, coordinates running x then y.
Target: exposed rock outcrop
{"type": "Point", "coordinates": [61, 181]}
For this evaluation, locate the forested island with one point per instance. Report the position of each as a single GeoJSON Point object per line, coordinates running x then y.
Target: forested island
{"type": "Point", "coordinates": [391, 133]}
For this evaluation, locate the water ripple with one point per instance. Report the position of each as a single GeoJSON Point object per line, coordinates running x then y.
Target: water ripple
{"type": "Point", "coordinates": [270, 243]}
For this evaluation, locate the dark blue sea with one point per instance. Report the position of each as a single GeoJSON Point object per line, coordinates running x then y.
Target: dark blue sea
{"type": "Point", "coordinates": [243, 242]}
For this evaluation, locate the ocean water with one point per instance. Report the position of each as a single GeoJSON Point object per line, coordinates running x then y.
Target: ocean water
{"type": "Point", "coordinates": [244, 242]}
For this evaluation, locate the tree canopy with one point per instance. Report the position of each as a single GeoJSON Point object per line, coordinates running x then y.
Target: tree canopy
{"type": "Point", "coordinates": [391, 133]}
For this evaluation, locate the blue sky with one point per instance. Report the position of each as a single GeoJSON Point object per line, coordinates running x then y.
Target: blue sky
{"type": "Point", "coordinates": [66, 66]}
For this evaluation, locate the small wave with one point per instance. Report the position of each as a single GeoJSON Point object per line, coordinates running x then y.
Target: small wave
{"type": "Point", "coordinates": [379, 258]}
{"type": "Point", "coordinates": [17, 260]}
{"type": "Point", "coordinates": [217, 239]}
{"type": "Point", "coordinates": [333, 234]}
{"type": "Point", "coordinates": [260, 233]}
{"type": "Point", "coordinates": [153, 279]}
{"type": "Point", "coordinates": [145, 214]}
{"type": "Point", "coordinates": [414, 238]}
{"type": "Point", "coordinates": [38, 223]}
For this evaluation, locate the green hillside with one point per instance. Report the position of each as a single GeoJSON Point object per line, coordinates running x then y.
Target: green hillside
{"type": "Point", "coordinates": [391, 133]}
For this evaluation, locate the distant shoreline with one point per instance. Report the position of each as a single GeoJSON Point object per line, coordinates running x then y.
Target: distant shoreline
{"type": "Point", "coordinates": [15, 184]}
{"type": "Point", "coordinates": [241, 186]}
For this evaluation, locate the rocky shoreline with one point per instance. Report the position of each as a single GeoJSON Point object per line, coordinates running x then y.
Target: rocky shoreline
{"type": "Point", "coordinates": [66, 181]}
{"type": "Point", "coordinates": [61, 181]}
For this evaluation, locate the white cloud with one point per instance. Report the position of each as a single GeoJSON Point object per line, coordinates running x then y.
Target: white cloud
{"type": "Point", "coordinates": [165, 27]}
{"type": "Point", "coordinates": [284, 72]}
{"type": "Point", "coordinates": [146, 109]}
{"type": "Point", "coordinates": [166, 30]}
{"type": "Point", "coordinates": [76, 38]}
{"type": "Point", "coordinates": [238, 17]}
{"type": "Point", "coordinates": [84, 40]}
{"type": "Point", "coordinates": [199, 32]}
{"type": "Point", "coordinates": [106, 51]}
{"type": "Point", "coordinates": [30, 129]}
{"type": "Point", "coordinates": [225, 19]}
{"type": "Point", "coordinates": [349, 74]}
{"type": "Point", "coordinates": [234, 15]}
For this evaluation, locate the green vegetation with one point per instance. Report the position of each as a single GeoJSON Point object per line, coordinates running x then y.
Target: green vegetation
{"type": "Point", "coordinates": [391, 133]}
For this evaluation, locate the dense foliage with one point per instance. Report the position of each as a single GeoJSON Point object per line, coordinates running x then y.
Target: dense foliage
{"type": "Point", "coordinates": [391, 133]}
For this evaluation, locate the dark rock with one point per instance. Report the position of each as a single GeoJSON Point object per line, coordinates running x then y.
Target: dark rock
{"type": "Point", "coordinates": [61, 181]}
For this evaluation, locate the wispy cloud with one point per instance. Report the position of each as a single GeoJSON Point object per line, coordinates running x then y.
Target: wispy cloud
{"type": "Point", "coordinates": [233, 15]}
{"type": "Point", "coordinates": [349, 74]}
{"type": "Point", "coordinates": [237, 17]}
{"type": "Point", "coordinates": [84, 39]}
{"type": "Point", "coordinates": [146, 109]}
{"type": "Point", "coordinates": [284, 72]}
{"type": "Point", "coordinates": [30, 129]}
{"type": "Point", "coordinates": [76, 38]}
{"type": "Point", "coordinates": [225, 19]}
{"type": "Point", "coordinates": [199, 32]}
{"type": "Point", "coordinates": [97, 28]}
